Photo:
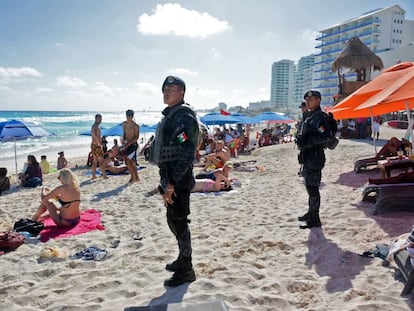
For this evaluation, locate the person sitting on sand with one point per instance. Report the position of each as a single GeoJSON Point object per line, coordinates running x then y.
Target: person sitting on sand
{"type": "Point", "coordinates": [44, 164]}
{"type": "Point", "coordinates": [61, 161]}
{"type": "Point", "coordinates": [110, 166]}
{"type": "Point", "coordinates": [4, 180]}
{"type": "Point", "coordinates": [32, 176]}
{"type": "Point", "coordinates": [392, 146]}
{"type": "Point", "coordinates": [68, 195]}
{"type": "Point", "coordinates": [224, 171]}
{"type": "Point", "coordinates": [220, 156]}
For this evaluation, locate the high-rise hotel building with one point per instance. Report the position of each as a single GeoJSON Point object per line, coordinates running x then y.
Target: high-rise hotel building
{"type": "Point", "coordinates": [282, 84]}
{"type": "Point", "coordinates": [381, 30]}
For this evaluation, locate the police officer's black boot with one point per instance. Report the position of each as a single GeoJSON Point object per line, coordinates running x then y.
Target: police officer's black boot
{"type": "Point", "coordinates": [313, 220]}
{"type": "Point", "coordinates": [175, 265]}
{"type": "Point", "coordinates": [184, 273]}
{"type": "Point", "coordinates": [304, 217]}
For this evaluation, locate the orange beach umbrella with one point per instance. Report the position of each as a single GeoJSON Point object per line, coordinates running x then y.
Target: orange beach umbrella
{"type": "Point", "coordinates": [388, 92]}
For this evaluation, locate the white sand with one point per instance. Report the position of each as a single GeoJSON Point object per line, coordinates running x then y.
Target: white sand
{"type": "Point", "coordinates": [247, 248]}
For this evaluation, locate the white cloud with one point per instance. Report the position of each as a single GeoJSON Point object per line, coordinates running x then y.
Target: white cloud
{"type": "Point", "coordinates": [171, 18]}
{"type": "Point", "coordinates": [182, 71]}
{"type": "Point", "coordinates": [310, 35]}
{"type": "Point", "coordinates": [103, 89]}
{"type": "Point", "coordinates": [11, 74]}
{"type": "Point", "coordinates": [70, 81]}
{"type": "Point", "coordinates": [147, 89]}
{"type": "Point", "coordinates": [43, 89]}
{"type": "Point", "coordinates": [215, 53]}
{"type": "Point", "coordinates": [60, 44]}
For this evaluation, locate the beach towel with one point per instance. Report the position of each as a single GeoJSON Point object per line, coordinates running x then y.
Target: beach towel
{"type": "Point", "coordinates": [89, 220]}
{"type": "Point", "coordinates": [98, 172]}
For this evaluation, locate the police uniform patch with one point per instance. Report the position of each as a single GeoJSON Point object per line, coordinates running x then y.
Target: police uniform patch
{"type": "Point", "coordinates": [321, 129]}
{"type": "Point", "coordinates": [182, 137]}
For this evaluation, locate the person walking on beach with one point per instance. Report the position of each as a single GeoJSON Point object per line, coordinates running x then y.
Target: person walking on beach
{"type": "Point", "coordinates": [174, 150]}
{"type": "Point", "coordinates": [305, 113]}
{"type": "Point", "coordinates": [96, 147]}
{"type": "Point", "coordinates": [311, 141]}
{"type": "Point", "coordinates": [130, 138]}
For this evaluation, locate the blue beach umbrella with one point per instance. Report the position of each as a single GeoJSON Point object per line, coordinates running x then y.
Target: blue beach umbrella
{"type": "Point", "coordinates": [13, 130]}
{"type": "Point", "coordinates": [270, 116]}
{"type": "Point", "coordinates": [118, 131]}
{"type": "Point", "coordinates": [218, 119]}
{"type": "Point", "coordinates": [243, 119]}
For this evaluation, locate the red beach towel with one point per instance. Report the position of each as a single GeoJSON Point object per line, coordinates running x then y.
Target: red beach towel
{"type": "Point", "coordinates": [89, 220]}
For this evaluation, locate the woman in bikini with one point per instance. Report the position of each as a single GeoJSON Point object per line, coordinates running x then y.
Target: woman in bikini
{"type": "Point", "coordinates": [67, 212]}
{"type": "Point", "coordinates": [208, 185]}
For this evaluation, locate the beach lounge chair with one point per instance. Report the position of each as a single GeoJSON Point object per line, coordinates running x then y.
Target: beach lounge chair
{"type": "Point", "coordinates": [402, 260]}
{"type": "Point", "coordinates": [364, 163]}
{"type": "Point", "coordinates": [390, 197]}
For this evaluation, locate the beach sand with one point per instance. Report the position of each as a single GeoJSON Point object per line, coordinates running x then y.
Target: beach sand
{"type": "Point", "coordinates": [247, 248]}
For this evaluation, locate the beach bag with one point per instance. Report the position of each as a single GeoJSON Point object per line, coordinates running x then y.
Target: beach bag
{"type": "Point", "coordinates": [9, 241]}
{"type": "Point", "coordinates": [333, 127]}
{"type": "Point", "coordinates": [28, 225]}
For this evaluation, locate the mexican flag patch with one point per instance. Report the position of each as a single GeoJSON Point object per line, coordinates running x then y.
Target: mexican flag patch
{"type": "Point", "coordinates": [321, 129]}
{"type": "Point", "coordinates": [182, 137]}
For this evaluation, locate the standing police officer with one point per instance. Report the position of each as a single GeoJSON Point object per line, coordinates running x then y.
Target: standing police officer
{"type": "Point", "coordinates": [312, 141]}
{"type": "Point", "coordinates": [174, 149]}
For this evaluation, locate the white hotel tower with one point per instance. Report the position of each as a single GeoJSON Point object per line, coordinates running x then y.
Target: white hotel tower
{"type": "Point", "coordinates": [381, 30]}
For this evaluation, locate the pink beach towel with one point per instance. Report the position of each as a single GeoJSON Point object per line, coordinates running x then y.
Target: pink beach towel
{"type": "Point", "coordinates": [90, 220]}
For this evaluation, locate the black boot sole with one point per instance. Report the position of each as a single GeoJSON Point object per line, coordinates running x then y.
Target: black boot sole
{"type": "Point", "coordinates": [308, 226]}
{"type": "Point", "coordinates": [180, 278]}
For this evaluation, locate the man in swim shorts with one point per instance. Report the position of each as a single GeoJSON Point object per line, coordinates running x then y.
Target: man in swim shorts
{"type": "Point", "coordinates": [131, 135]}
{"type": "Point", "coordinates": [96, 147]}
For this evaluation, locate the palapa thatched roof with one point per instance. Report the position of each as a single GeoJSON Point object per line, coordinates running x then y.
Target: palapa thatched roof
{"type": "Point", "coordinates": [356, 55]}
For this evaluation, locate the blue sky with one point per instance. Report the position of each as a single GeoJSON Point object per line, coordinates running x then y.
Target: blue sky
{"type": "Point", "coordinates": [102, 55]}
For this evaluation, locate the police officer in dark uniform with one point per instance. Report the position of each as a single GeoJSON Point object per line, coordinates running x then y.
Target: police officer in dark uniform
{"type": "Point", "coordinates": [312, 140]}
{"type": "Point", "coordinates": [174, 149]}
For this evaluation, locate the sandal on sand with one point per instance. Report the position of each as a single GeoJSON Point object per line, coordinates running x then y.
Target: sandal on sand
{"type": "Point", "coordinates": [91, 253]}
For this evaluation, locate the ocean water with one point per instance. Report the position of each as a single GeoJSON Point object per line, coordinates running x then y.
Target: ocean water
{"type": "Point", "coordinates": [65, 127]}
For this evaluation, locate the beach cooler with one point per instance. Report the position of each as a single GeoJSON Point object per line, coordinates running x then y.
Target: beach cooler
{"type": "Point", "coordinates": [216, 305]}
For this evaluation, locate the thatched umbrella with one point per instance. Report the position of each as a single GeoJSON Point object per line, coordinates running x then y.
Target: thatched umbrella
{"type": "Point", "coordinates": [356, 56]}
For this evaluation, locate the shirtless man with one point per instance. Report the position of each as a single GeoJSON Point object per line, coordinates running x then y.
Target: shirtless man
{"type": "Point", "coordinates": [220, 156]}
{"type": "Point", "coordinates": [96, 147]}
{"type": "Point", "coordinates": [130, 138]}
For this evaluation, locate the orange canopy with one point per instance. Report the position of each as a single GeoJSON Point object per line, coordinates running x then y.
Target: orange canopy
{"type": "Point", "coordinates": [388, 92]}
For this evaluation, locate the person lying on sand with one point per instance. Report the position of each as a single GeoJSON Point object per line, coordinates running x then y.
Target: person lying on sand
{"type": "Point", "coordinates": [208, 185]}
{"type": "Point", "coordinates": [110, 167]}
{"type": "Point", "coordinates": [68, 196]}
{"type": "Point", "coordinates": [203, 185]}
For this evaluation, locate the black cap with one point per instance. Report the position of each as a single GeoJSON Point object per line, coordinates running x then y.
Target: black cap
{"type": "Point", "coordinates": [171, 80]}
{"type": "Point", "coordinates": [312, 93]}
{"type": "Point", "coordinates": [303, 104]}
